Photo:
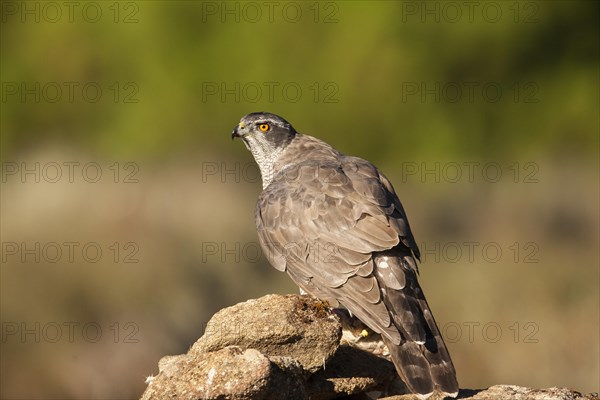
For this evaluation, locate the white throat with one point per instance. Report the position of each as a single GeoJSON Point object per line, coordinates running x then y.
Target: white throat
{"type": "Point", "coordinates": [265, 157]}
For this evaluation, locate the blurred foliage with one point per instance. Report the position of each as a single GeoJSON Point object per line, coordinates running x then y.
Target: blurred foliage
{"type": "Point", "coordinates": [387, 81]}
{"type": "Point", "coordinates": [372, 54]}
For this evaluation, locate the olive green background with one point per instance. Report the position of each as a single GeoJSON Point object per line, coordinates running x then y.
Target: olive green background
{"type": "Point", "coordinates": [483, 114]}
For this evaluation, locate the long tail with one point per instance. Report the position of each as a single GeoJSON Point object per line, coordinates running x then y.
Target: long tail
{"type": "Point", "coordinates": [421, 358]}
{"type": "Point", "coordinates": [424, 372]}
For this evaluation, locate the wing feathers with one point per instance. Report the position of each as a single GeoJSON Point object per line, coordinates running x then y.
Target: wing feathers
{"type": "Point", "coordinates": [337, 227]}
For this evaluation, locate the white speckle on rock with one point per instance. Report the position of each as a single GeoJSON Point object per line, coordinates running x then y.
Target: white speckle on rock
{"type": "Point", "coordinates": [211, 376]}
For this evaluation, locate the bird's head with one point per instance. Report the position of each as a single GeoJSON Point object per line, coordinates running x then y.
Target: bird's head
{"type": "Point", "coordinates": [264, 132]}
{"type": "Point", "coordinates": [266, 135]}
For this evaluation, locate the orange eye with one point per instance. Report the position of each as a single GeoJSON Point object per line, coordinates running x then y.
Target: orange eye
{"type": "Point", "coordinates": [264, 127]}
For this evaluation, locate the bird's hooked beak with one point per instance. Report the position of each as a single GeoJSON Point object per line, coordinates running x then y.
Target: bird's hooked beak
{"type": "Point", "coordinates": [238, 131]}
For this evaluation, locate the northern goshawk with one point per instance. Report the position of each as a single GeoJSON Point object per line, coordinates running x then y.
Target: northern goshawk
{"type": "Point", "coordinates": [335, 224]}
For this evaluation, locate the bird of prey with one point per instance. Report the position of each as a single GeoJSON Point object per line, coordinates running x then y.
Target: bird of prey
{"type": "Point", "coordinates": [335, 224]}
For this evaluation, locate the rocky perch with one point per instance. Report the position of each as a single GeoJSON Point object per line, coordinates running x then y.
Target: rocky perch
{"type": "Point", "coordinates": [293, 347]}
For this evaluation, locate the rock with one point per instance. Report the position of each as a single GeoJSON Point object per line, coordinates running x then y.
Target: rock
{"type": "Point", "coordinates": [229, 373]}
{"type": "Point", "coordinates": [352, 371]}
{"type": "Point", "coordinates": [501, 392]}
{"type": "Point", "coordinates": [293, 325]}
{"type": "Point", "coordinates": [291, 347]}
{"type": "Point", "coordinates": [511, 392]}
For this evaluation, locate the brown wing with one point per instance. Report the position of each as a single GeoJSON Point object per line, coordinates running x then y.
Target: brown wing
{"type": "Point", "coordinates": [340, 232]}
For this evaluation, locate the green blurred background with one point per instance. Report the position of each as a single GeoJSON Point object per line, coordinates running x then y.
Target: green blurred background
{"type": "Point", "coordinates": [483, 114]}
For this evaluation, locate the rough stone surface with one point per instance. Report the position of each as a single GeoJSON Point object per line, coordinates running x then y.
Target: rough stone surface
{"type": "Point", "coordinates": [352, 371]}
{"type": "Point", "coordinates": [291, 347]}
{"type": "Point", "coordinates": [276, 326]}
{"type": "Point", "coordinates": [229, 373]}
{"type": "Point", "coordinates": [501, 392]}
{"type": "Point", "coordinates": [511, 392]}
